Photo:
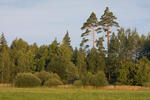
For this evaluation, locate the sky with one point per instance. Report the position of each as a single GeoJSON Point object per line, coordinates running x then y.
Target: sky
{"type": "Point", "coordinates": [42, 21]}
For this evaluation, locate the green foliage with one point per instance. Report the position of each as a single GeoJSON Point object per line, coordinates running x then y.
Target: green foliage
{"type": "Point", "coordinates": [124, 63]}
{"type": "Point", "coordinates": [5, 61]}
{"type": "Point", "coordinates": [81, 64]}
{"type": "Point", "coordinates": [95, 61]}
{"type": "Point", "coordinates": [43, 76]}
{"type": "Point", "coordinates": [87, 79]}
{"type": "Point", "coordinates": [108, 19]}
{"type": "Point", "coordinates": [66, 70]}
{"type": "Point", "coordinates": [126, 74]}
{"type": "Point", "coordinates": [54, 75]}
{"type": "Point", "coordinates": [53, 82]}
{"type": "Point", "coordinates": [66, 40]}
{"type": "Point", "coordinates": [142, 71]}
{"type": "Point", "coordinates": [88, 27]}
{"type": "Point", "coordinates": [22, 56]}
{"type": "Point", "coordinates": [77, 83]}
{"type": "Point", "coordinates": [99, 79]}
{"type": "Point", "coordinates": [26, 80]}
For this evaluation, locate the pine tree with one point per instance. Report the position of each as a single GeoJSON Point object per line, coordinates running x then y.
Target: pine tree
{"type": "Point", "coordinates": [107, 20]}
{"type": "Point", "coordinates": [89, 27]}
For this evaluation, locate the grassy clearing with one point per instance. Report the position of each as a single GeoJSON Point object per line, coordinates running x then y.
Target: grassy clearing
{"type": "Point", "coordinates": [10, 93]}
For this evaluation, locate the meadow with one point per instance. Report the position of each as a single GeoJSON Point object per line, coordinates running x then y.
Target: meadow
{"type": "Point", "coordinates": [59, 93]}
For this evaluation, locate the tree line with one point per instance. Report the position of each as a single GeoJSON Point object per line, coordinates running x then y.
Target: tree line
{"type": "Point", "coordinates": [125, 60]}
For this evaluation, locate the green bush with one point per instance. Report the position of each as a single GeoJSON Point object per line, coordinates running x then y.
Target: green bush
{"type": "Point", "coordinates": [26, 80]}
{"type": "Point", "coordinates": [77, 83]}
{"type": "Point", "coordinates": [53, 82]}
{"type": "Point", "coordinates": [43, 76]}
{"type": "Point", "coordinates": [54, 76]}
{"type": "Point", "coordinates": [99, 79]}
{"type": "Point", "coordinates": [87, 79]}
{"type": "Point", "coordinates": [146, 84]}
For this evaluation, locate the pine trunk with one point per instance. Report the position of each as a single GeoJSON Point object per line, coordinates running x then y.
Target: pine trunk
{"type": "Point", "coordinates": [108, 37]}
{"type": "Point", "coordinates": [93, 37]}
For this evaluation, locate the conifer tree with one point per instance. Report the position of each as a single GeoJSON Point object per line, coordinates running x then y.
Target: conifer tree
{"type": "Point", "coordinates": [142, 71]}
{"type": "Point", "coordinates": [95, 61]}
{"type": "Point", "coordinates": [66, 39]}
{"type": "Point", "coordinates": [112, 61]}
{"type": "Point", "coordinates": [5, 62]}
{"type": "Point", "coordinates": [89, 27]}
{"type": "Point", "coordinates": [75, 55]}
{"type": "Point", "coordinates": [107, 21]}
{"type": "Point", "coordinates": [62, 64]}
{"type": "Point", "coordinates": [81, 64]}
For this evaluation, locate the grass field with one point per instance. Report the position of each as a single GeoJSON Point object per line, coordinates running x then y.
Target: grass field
{"type": "Point", "coordinates": [10, 93]}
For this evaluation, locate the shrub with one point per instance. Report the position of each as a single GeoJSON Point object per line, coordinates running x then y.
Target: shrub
{"type": "Point", "coordinates": [53, 82]}
{"type": "Point", "coordinates": [87, 79]}
{"type": "Point", "coordinates": [43, 76]}
{"type": "Point", "coordinates": [99, 79]}
{"type": "Point", "coordinates": [54, 76]}
{"type": "Point", "coordinates": [77, 83]}
{"type": "Point", "coordinates": [26, 80]}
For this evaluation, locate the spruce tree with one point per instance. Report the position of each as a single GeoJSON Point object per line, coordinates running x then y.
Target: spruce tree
{"type": "Point", "coordinates": [81, 64]}
{"type": "Point", "coordinates": [66, 39]}
{"type": "Point", "coordinates": [95, 61]}
{"type": "Point", "coordinates": [62, 64]}
{"type": "Point", "coordinates": [112, 61]}
{"type": "Point", "coordinates": [142, 71]}
{"type": "Point", "coordinates": [5, 62]}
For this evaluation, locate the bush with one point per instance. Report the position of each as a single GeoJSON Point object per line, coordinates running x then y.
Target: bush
{"type": "Point", "coordinates": [53, 82]}
{"type": "Point", "coordinates": [26, 80]}
{"type": "Point", "coordinates": [77, 83]}
{"type": "Point", "coordinates": [146, 84]}
{"type": "Point", "coordinates": [43, 76]}
{"type": "Point", "coordinates": [87, 79]}
{"type": "Point", "coordinates": [54, 76]}
{"type": "Point", "coordinates": [99, 79]}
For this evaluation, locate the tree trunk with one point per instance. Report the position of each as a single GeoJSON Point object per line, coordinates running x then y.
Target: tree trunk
{"type": "Point", "coordinates": [93, 37]}
{"type": "Point", "coordinates": [108, 37]}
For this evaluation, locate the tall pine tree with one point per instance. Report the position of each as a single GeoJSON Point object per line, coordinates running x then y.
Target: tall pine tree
{"type": "Point", "coordinates": [107, 21]}
{"type": "Point", "coordinates": [89, 27]}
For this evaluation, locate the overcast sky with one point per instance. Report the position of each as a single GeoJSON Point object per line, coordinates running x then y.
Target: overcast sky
{"type": "Point", "coordinates": [42, 21]}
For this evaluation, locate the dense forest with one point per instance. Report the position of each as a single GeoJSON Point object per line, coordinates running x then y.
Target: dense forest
{"type": "Point", "coordinates": [124, 61]}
